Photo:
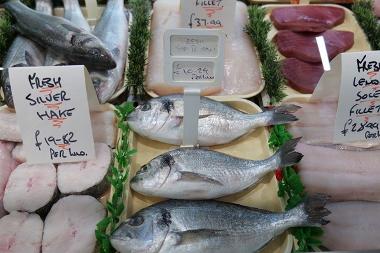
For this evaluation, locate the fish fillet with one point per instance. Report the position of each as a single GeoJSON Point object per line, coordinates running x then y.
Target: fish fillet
{"type": "Point", "coordinates": [103, 127]}
{"type": "Point", "coordinates": [31, 188]}
{"type": "Point", "coordinates": [303, 46]}
{"type": "Point", "coordinates": [21, 233]}
{"type": "Point", "coordinates": [70, 225]}
{"type": "Point", "coordinates": [241, 71]}
{"type": "Point", "coordinates": [354, 225]}
{"type": "Point", "coordinates": [86, 177]}
{"type": "Point", "coordinates": [307, 18]}
{"type": "Point", "coordinates": [342, 174]}
{"type": "Point", "coordinates": [7, 165]}
{"type": "Point", "coordinates": [302, 76]}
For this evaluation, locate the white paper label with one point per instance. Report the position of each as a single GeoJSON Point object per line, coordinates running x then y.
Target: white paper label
{"type": "Point", "coordinates": [358, 114]}
{"type": "Point", "coordinates": [193, 57]}
{"type": "Point", "coordinates": [53, 113]}
{"type": "Point", "coordinates": [211, 14]}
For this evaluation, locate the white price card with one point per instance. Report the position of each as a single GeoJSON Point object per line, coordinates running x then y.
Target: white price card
{"type": "Point", "coordinates": [358, 114]}
{"type": "Point", "coordinates": [194, 57]}
{"type": "Point", "coordinates": [210, 14]}
{"type": "Point", "coordinates": [53, 112]}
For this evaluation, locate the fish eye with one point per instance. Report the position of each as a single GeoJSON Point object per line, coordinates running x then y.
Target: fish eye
{"type": "Point", "coordinates": [136, 221]}
{"type": "Point", "coordinates": [144, 168]}
{"type": "Point", "coordinates": [94, 52]}
{"type": "Point", "coordinates": [96, 81]}
{"type": "Point", "coordinates": [145, 107]}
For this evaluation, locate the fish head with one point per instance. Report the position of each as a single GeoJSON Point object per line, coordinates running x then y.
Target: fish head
{"type": "Point", "coordinates": [144, 232]}
{"type": "Point", "coordinates": [148, 117]}
{"type": "Point", "coordinates": [93, 52]}
{"type": "Point", "coordinates": [102, 81]}
{"type": "Point", "coordinates": [153, 175]}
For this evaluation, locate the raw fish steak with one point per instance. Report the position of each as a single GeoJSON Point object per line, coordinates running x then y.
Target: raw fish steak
{"type": "Point", "coordinates": [307, 18]}
{"type": "Point", "coordinates": [21, 233]}
{"type": "Point", "coordinates": [7, 164]}
{"type": "Point", "coordinates": [70, 225]}
{"type": "Point", "coordinates": [341, 174]}
{"type": "Point", "coordinates": [303, 46]}
{"type": "Point", "coordinates": [354, 225]}
{"type": "Point", "coordinates": [31, 188]}
{"type": "Point", "coordinates": [87, 177]}
{"type": "Point", "coordinates": [241, 71]}
{"type": "Point", "coordinates": [302, 76]}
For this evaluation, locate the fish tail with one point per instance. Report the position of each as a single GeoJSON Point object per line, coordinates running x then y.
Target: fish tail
{"type": "Point", "coordinates": [286, 155]}
{"type": "Point", "coordinates": [282, 114]}
{"type": "Point", "coordinates": [312, 211]}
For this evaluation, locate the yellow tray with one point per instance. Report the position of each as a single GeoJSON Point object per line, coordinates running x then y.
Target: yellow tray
{"type": "Point", "coordinates": [350, 24]}
{"type": "Point", "coordinates": [251, 146]}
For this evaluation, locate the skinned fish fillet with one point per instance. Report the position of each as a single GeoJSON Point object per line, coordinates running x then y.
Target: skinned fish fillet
{"type": "Point", "coordinates": [354, 225]}
{"type": "Point", "coordinates": [241, 71]}
{"type": "Point", "coordinates": [342, 174]}
{"type": "Point", "coordinates": [7, 165]}
{"type": "Point", "coordinates": [103, 128]}
{"type": "Point", "coordinates": [21, 233]}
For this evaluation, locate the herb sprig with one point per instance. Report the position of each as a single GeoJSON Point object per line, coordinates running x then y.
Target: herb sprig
{"type": "Point", "coordinates": [118, 177]}
{"type": "Point", "coordinates": [258, 30]}
{"type": "Point", "coordinates": [363, 10]}
{"type": "Point", "coordinates": [139, 38]}
{"type": "Point", "coordinates": [290, 184]}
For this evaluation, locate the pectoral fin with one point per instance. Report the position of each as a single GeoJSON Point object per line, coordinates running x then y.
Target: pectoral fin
{"type": "Point", "coordinates": [197, 235]}
{"type": "Point", "coordinates": [192, 177]}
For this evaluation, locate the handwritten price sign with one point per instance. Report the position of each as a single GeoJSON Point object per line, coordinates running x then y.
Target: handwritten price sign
{"type": "Point", "coordinates": [210, 14]}
{"type": "Point", "coordinates": [53, 113]}
{"type": "Point", "coordinates": [358, 114]}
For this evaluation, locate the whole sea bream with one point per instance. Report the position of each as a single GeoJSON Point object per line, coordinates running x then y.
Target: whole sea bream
{"type": "Point", "coordinates": [112, 30]}
{"type": "Point", "coordinates": [161, 119]}
{"type": "Point", "coordinates": [189, 226]}
{"type": "Point", "coordinates": [23, 53]}
{"type": "Point", "coordinates": [61, 35]}
{"type": "Point", "coordinates": [73, 13]}
{"type": "Point", "coordinates": [194, 173]}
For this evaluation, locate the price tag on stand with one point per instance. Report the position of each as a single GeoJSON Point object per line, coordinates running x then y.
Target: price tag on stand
{"type": "Point", "coordinates": [210, 14]}
{"type": "Point", "coordinates": [52, 105]}
{"type": "Point", "coordinates": [194, 59]}
{"type": "Point", "coordinates": [358, 114]}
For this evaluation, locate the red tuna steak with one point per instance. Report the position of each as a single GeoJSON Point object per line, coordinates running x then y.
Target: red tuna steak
{"type": "Point", "coordinates": [303, 46]}
{"type": "Point", "coordinates": [301, 76]}
{"type": "Point", "coordinates": [307, 18]}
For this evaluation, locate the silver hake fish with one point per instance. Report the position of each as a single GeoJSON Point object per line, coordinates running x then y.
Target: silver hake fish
{"type": "Point", "coordinates": [73, 13]}
{"type": "Point", "coordinates": [62, 36]}
{"type": "Point", "coordinates": [23, 53]}
{"type": "Point", "coordinates": [112, 29]}
{"type": "Point", "coordinates": [191, 226]}
{"type": "Point", "coordinates": [194, 173]}
{"type": "Point", "coordinates": [161, 119]}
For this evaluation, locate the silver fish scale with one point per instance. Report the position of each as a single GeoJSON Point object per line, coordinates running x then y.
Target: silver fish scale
{"type": "Point", "coordinates": [238, 229]}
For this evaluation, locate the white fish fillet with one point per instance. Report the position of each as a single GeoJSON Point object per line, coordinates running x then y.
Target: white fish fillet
{"type": "Point", "coordinates": [103, 126]}
{"type": "Point", "coordinates": [21, 233]}
{"type": "Point", "coordinates": [7, 164]}
{"type": "Point", "coordinates": [82, 176]}
{"type": "Point", "coordinates": [241, 73]}
{"type": "Point", "coordinates": [70, 225]}
{"type": "Point", "coordinates": [354, 225]}
{"type": "Point", "coordinates": [342, 174]}
{"type": "Point", "coordinates": [30, 187]}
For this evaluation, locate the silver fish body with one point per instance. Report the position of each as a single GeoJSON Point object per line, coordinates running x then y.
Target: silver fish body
{"type": "Point", "coordinates": [62, 36]}
{"type": "Point", "coordinates": [194, 173]}
{"type": "Point", "coordinates": [112, 29]}
{"type": "Point", "coordinates": [161, 119]}
{"type": "Point", "coordinates": [73, 13]}
{"type": "Point", "coordinates": [23, 53]}
{"type": "Point", "coordinates": [183, 226]}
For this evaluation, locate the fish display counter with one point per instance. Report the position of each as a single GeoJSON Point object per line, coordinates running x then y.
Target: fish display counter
{"type": "Point", "coordinates": [267, 179]}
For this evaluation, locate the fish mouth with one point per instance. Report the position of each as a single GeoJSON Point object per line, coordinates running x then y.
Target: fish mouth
{"type": "Point", "coordinates": [131, 118]}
